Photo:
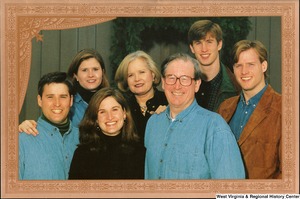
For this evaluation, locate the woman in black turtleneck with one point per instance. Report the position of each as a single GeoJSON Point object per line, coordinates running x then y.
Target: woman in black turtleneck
{"type": "Point", "coordinates": [109, 145]}
{"type": "Point", "coordinates": [87, 71]}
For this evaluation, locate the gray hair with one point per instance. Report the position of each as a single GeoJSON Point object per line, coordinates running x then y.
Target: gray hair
{"type": "Point", "coordinates": [185, 57]}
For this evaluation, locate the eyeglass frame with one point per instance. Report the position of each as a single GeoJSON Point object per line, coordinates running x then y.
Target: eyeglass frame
{"type": "Point", "coordinates": [179, 78]}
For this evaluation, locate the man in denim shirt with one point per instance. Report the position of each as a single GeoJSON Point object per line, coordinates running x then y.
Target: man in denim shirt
{"type": "Point", "coordinates": [48, 156]}
{"type": "Point", "coordinates": [187, 141]}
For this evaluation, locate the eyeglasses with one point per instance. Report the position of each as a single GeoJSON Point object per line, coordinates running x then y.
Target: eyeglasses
{"type": "Point", "coordinates": [183, 80]}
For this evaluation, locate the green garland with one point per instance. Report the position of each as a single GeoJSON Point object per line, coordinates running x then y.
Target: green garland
{"type": "Point", "coordinates": [131, 34]}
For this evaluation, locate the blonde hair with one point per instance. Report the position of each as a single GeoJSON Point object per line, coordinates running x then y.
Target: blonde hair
{"type": "Point", "coordinates": [122, 71]}
{"type": "Point", "coordinates": [244, 45]}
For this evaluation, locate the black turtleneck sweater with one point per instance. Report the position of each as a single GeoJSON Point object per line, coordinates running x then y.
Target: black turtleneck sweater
{"type": "Point", "coordinates": [112, 160]}
{"type": "Point", "coordinates": [85, 94]}
{"type": "Point", "coordinates": [63, 128]}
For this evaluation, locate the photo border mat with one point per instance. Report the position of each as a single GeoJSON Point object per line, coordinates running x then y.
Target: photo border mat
{"type": "Point", "coordinates": [21, 21]}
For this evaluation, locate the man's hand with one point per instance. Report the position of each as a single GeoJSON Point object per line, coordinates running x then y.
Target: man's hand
{"type": "Point", "coordinates": [29, 127]}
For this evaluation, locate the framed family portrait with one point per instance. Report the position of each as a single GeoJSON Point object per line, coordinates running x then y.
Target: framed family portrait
{"type": "Point", "coordinates": [27, 25]}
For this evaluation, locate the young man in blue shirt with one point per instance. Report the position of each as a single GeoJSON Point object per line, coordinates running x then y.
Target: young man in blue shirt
{"type": "Point", "coordinates": [48, 155]}
{"type": "Point", "coordinates": [187, 141]}
{"type": "Point", "coordinates": [255, 115]}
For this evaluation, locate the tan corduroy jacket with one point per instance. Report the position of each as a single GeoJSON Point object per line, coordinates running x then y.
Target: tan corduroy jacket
{"type": "Point", "coordinates": [260, 141]}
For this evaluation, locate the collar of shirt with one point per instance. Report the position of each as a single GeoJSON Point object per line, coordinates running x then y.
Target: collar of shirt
{"type": "Point", "coordinates": [134, 103]}
{"type": "Point", "coordinates": [243, 112]}
{"type": "Point", "coordinates": [52, 129]}
{"type": "Point", "coordinates": [255, 99]}
{"type": "Point", "coordinates": [208, 92]}
{"type": "Point", "coordinates": [214, 83]}
{"type": "Point", "coordinates": [183, 113]}
{"type": "Point", "coordinates": [78, 98]}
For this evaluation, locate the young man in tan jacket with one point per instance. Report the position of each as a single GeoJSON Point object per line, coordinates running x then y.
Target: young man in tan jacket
{"type": "Point", "coordinates": [255, 115]}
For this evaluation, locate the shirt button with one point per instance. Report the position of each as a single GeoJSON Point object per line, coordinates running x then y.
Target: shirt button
{"type": "Point", "coordinates": [161, 161]}
{"type": "Point", "coordinates": [246, 112]}
{"type": "Point", "coordinates": [159, 177]}
{"type": "Point", "coordinates": [166, 144]}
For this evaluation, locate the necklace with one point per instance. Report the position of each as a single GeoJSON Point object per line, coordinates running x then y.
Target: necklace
{"type": "Point", "coordinates": [143, 109]}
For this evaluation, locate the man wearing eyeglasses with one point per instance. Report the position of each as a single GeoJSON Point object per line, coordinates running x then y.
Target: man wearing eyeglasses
{"type": "Point", "coordinates": [187, 141]}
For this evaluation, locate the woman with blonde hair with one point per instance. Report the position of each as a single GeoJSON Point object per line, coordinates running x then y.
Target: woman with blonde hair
{"type": "Point", "coordinates": [138, 77]}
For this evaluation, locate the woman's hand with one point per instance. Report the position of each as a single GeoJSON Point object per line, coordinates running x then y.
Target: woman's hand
{"type": "Point", "coordinates": [29, 127]}
{"type": "Point", "coordinates": [160, 109]}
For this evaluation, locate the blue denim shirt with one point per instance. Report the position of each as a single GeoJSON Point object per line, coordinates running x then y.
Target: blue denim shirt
{"type": "Point", "coordinates": [243, 112]}
{"type": "Point", "coordinates": [47, 156]}
{"type": "Point", "coordinates": [198, 144]}
{"type": "Point", "coordinates": [77, 110]}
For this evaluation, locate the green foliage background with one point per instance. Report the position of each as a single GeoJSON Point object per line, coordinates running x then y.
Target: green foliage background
{"type": "Point", "coordinates": [131, 34]}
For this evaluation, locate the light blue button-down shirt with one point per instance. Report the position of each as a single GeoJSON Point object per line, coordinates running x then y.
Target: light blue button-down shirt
{"type": "Point", "coordinates": [198, 144]}
{"type": "Point", "coordinates": [47, 156]}
{"type": "Point", "coordinates": [77, 110]}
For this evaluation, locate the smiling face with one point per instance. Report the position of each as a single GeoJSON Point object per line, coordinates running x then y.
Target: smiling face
{"type": "Point", "coordinates": [55, 102]}
{"type": "Point", "coordinates": [111, 116]}
{"type": "Point", "coordinates": [249, 72]}
{"type": "Point", "coordinates": [180, 97]}
{"type": "Point", "coordinates": [89, 74]}
{"type": "Point", "coordinates": [140, 78]}
{"type": "Point", "coordinates": [207, 50]}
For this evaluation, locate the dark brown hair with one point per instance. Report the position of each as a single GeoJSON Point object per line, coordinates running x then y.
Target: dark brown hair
{"type": "Point", "coordinates": [201, 28]}
{"type": "Point", "coordinates": [89, 128]}
{"type": "Point", "coordinates": [85, 54]}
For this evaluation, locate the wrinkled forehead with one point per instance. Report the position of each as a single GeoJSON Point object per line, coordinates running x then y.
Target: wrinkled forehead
{"type": "Point", "coordinates": [180, 67]}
